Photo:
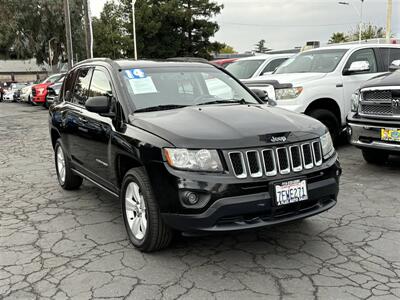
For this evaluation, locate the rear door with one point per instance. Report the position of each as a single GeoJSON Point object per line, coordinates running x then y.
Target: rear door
{"type": "Point", "coordinates": [352, 82]}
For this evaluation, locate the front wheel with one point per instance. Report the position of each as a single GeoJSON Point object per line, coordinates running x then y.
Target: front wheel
{"type": "Point", "coordinates": [376, 157]}
{"type": "Point", "coordinates": [144, 225]}
{"type": "Point", "coordinates": [327, 118]}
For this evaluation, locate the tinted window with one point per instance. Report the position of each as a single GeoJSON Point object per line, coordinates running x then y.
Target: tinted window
{"type": "Point", "coordinates": [364, 55]}
{"type": "Point", "coordinates": [100, 85]}
{"type": "Point", "coordinates": [81, 88]}
{"type": "Point", "coordinates": [273, 65]}
{"type": "Point", "coordinates": [315, 61]}
{"type": "Point", "coordinates": [388, 56]}
{"type": "Point", "coordinates": [68, 86]}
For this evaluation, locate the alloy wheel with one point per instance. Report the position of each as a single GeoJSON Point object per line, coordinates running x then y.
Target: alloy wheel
{"type": "Point", "coordinates": [60, 164]}
{"type": "Point", "coordinates": [135, 210]}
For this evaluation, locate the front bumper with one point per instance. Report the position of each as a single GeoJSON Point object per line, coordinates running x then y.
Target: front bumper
{"type": "Point", "coordinates": [39, 99]}
{"type": "Point", "coordinates": [366, 133]}
{"type": "Point", "coordinates": [257, 210]}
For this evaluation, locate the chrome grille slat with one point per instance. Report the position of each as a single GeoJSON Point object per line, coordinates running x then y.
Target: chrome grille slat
{"type": "Point", "coordinates": [276, 160]}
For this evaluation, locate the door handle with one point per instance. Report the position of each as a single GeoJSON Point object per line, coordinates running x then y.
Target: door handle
{"type": "Point", "coordinates": [338, 85]}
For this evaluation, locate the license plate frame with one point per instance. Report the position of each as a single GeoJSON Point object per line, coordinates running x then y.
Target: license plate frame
{"type": "Point", "coordinates": [297, 184]}
{"type": "Point", "coordinates": [390, 135]}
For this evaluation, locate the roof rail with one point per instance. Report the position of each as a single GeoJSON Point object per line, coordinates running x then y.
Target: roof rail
{"type": "Point", "coordinates": [188, 59]}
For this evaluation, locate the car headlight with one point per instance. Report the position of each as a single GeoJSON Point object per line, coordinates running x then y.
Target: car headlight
{"type": "Point", "coordinates": [193, 160]}
{"type": "Point", "coordinates": [355, 101]}
{"type": "Point", "coordinates": [289, 93]}
{"type": "Point", "coordinates": [327, 145]}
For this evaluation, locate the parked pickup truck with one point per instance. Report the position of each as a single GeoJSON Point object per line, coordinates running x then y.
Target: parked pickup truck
{"type": "Point", "coordinates": [374, 121]}
{"type": "Point", "coordinates": [321, 81]}
{"type": "Point", "coordinates": [183, 156]}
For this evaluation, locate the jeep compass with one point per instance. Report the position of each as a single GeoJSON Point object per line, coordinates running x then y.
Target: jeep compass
{"type": "Point", "coordinates": [187, 148]}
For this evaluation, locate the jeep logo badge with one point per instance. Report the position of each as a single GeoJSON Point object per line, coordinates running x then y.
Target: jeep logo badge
{"type": "Point", "coordinates": [275, 139]}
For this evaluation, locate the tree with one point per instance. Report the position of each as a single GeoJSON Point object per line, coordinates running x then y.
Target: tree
{"type": "Point", "coordinates": [167, 28]}
{"type": "Point", "coordinates": [227, 50]}
{"type": "Point", "coordinates": [338, 37]}
{"type": "Point", "coordinates": [260, 47]}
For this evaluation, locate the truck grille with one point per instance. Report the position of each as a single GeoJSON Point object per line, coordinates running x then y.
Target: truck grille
{"type": "Point", "coordinates": [277, 160]}
{"type": "Point", "coordinates": [379, 103]}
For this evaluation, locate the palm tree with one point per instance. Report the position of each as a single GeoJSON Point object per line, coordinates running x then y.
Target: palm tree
{"type": "Point", "coordinates": [338, 37]}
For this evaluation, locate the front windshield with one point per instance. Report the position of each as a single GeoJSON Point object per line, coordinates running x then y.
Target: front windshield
{"type": "Point", "coordinates": [183, 86]}
{"type": "Point", "coordinates": [54, 78]}
{"type": "Point", "coordinates": [244, 69]}
{"type": "Point", "coordinates": [316, 61]}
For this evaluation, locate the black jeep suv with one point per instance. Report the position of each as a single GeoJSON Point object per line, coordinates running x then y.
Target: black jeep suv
{"type": "Point", "coordinates": [374, 121]}
{"type": "Point", "coordinates": [186, 147]}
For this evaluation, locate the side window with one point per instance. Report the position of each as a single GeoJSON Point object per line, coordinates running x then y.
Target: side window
{"type": "Point", "coordinates": [364, 55]}
{"type": "Point", "coordinates": [272, 65]}
{"type": "Point", "coordinates": [388, 56]}
{"type": "Point", "coordinates": [68, 86]}
{"type": "Point", "coordinates": [81, 88]}
{"type": "Point", "coordinates": [100, 85]}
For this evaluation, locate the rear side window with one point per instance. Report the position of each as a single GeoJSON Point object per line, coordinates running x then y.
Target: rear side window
{"type": "Point", "coordinates": [81, 88]}
{"type": "Point", "coordinates": [388, 56]}
{"type": "Point", "coordinates": [272, 65]}
{"type": "Point", "coordinates": [66, 91]}
{"type": "Point", "coordinates": [100, 85]}
{"type": "Point", "coordinates": [364, 55]}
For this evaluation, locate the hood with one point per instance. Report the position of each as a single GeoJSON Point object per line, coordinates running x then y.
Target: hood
{"type": "Point", "coordinates": [387, 79]}
{"type": "Point", "coordinates": [227, 126]}
{"type": "Point", "coordinates": [41, 85]}
{"type": "Point", "coordinates": [294, 78]}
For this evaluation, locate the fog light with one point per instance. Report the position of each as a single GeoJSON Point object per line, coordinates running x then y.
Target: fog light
{"type": "Point", "coordinates": [191, 198]}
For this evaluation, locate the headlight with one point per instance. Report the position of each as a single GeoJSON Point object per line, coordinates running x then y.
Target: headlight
{"type": "Point", "coordinates": [194, 160]}
{"type": "Point", "coordinates": [327, 145]}
{"type": "Point", "coordinates": [355, 101]}
{"type": "Point", "coordinates": [290, 93]}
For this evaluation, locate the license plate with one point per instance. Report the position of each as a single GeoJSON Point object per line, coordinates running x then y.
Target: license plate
{"type": "Point", "coordinates": [390, 135]}
{"type": "Point", "coordinates": [291, 192]}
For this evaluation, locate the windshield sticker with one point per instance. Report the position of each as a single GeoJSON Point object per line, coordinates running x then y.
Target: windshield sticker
{"type": "Point", "coordinates": [135, 74]}
{"type": "Point", "coordinates": [143, 86]}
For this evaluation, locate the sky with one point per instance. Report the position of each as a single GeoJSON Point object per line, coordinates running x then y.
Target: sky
{"type": "Point", "coordinates": [289, 23]}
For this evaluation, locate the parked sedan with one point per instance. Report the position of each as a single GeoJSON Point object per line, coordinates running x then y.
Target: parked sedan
{"type": "Point", "coordinates": [251, 67]}
{"type": "Point", "coordinates": [26, 94]}
{"type": "Point", "coordinates": [8, 96]}
{"type": "Point", "coordinates": [17, 87]}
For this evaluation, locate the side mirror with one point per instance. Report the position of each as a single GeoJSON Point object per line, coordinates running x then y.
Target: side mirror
{"type": "Point", "coordinates": [394, 66]}
{"type": "Point", "coordinates": [358, 67]}
{"type": "Point", "coordinates": [263, 96]}
{"type": "Point", "coordinates": [98, 104]}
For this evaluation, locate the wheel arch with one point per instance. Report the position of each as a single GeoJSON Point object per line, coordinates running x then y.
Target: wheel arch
{"type": "Point", "coordinates": [55, 135]}
{"type": "Point", "coordinates": [325, 103]}
{"type": "Point", "coordinates": [123, 163]}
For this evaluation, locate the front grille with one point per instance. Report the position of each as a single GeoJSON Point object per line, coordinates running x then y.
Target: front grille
{"type": "Point", "coordinates": [269, 162]}
{"type": "Point", "coordinates": [379, 103]}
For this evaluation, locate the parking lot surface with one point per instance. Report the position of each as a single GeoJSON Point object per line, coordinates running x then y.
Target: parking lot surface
{"type": "Point", "coordinates": [62, 245]}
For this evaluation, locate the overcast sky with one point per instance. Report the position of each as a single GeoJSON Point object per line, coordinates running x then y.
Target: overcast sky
{"type": "Point", "coordinates": [290, 23]}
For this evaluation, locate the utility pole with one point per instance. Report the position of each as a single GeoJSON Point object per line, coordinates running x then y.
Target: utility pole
{"type": "Point", "coordinates": [134, 28]}
{"type": "Point", "coordinates": [389, 20]}
{"type": "Point", "coordinates": [361, 22]}
{"type": "Point", "coordinates": [88, 29]}
{"type": "Point", "coordinates": [68, 34]}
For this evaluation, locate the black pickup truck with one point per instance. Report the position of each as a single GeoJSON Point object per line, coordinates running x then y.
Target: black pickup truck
{"type": "Point", "coordinates": [186, 147]}
{"type": "Point", "coordinates": [374, 123]}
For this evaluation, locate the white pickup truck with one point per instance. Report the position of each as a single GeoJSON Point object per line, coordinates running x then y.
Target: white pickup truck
{"type": "Point", "coordinates": [320, 82]}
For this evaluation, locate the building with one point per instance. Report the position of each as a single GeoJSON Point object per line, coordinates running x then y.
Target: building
{"type": "Point", "coordinates": [22, 70]}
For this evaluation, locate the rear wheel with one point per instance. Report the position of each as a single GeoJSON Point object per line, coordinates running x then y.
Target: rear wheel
{"type": "Point", "coordinates": [66, 178]}
{"type": "Point", "coordinates": [144, 225]}
{"type": "Point", "coordinates": [327, 118]}
{"type": "Point", "coordinates": [376, 157]}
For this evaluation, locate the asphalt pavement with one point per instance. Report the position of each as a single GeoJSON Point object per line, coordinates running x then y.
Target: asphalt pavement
{"type": "Point", "coordinates": [56, 244]}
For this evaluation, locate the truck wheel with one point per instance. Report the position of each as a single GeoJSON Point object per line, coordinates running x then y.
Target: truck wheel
{"type": "Point", "coordinates": [144, 225]}
{"type": "Point", "coordinates": [376, 157]}
{"type": "Point", "coordinates": [328, 119]}
{"type": "Point", "coordinates": [66, 178]}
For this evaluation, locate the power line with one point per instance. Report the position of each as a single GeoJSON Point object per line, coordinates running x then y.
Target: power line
{"type": "Point", "coordinates": [286, 25]}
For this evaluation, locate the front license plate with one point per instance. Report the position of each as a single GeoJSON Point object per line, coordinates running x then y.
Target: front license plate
{"type": "Point", "coordinates": [291, 192]}
{"type": "Point", "coordinates": [390, 135]}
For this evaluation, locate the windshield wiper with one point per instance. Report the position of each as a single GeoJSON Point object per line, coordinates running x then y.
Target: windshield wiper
{"type": "Point", "coordinates": [241, 101]}
{"type": "Point", "coordinates": [160, 107]}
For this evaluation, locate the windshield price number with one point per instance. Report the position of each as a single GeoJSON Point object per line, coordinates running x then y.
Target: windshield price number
{"type": "Point", "coordinates": [291, 192]}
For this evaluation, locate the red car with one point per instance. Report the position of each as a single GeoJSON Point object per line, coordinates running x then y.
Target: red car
{"type": "Point", "coordinates": [39, 91]}
{"type": "Point", "coordinates": [224, 62]}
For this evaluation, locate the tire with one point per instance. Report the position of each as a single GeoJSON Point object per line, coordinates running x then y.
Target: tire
{"type": "Point", "coordinates": [66, 178]}
{"type": "Point", "coordinates": [154, 234]}
{"type": "Point", "coordinates": [327, 118]}
{"type": "Point", "coordinates": [376, 157]}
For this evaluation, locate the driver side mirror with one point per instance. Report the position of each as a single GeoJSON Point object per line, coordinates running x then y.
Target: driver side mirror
{"type": "Point", "coordinates": [99, 104]}
{"type": "Point", "coordinates": [263, 96]}
{"type": "Point", "coordinates": [394, 66]}
{"type": "Point", "coordinates": [358, 67]}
